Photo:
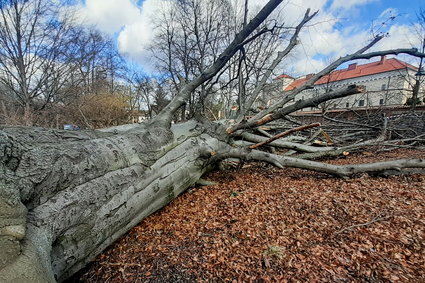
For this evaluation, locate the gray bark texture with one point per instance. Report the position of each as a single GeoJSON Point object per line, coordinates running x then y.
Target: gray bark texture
{"type": "Point", "coordinates": [66, 196]}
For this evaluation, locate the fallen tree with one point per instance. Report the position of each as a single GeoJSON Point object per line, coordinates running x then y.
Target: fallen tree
{"type": "Point", "coordinates": [66, 196]}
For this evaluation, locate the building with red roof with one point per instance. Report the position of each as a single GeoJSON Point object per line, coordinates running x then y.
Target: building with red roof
{"type": "Point", "coordinates": [387, 81]}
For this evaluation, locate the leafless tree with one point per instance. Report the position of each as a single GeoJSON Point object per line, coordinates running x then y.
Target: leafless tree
{"type": "Point", "coordinates": [94, 65]}
{"type": "Point", "coordinates": [33, 53]}
{"type": "Point", "coordinates": [191, 35]}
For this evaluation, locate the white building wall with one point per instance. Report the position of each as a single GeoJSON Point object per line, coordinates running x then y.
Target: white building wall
{"type": "Point", "coordinates": [389, 88]}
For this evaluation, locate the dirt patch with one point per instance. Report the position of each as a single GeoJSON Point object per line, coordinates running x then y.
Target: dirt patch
{"type": "Point", "coordinates": [263, 224]}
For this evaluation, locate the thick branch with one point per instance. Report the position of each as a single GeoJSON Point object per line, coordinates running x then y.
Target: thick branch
{"type": "Point", "coordinates": [286, 144]}
{"type": "Point", "coordinates": [357, 55]}
{"type": "Point", "coordinates": [166, 114]}
{"type": "Point", "coordinates": [284, 134]}
{"type": "Point", "coordinates": [291, 94]}
{"type": "Point", "coordinates": [336, 170]}
{"type": "Point", "coordinates": [312, 102]}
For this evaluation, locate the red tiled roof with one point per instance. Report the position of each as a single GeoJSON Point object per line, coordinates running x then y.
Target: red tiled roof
{"type": "Point", "coordinates": [354, 71]}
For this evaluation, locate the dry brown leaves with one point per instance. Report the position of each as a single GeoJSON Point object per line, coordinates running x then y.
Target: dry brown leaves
{"type": "Point", "coordinates": [270, 225]}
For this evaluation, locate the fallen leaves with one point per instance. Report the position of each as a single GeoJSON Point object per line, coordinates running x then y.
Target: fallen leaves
{"type": "Point", "coordinates": [273, 225]}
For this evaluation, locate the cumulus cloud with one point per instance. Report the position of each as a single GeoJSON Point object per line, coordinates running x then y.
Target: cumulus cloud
{"type": "Point", "coordinates": [109, 15]}
{"type": "Point", "coordinates": [135, 38]}
{"type": "Point", "coordinates": [322, 41]}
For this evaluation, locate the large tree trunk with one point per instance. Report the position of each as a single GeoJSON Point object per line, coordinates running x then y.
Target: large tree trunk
{"type": "Point", "coordinates": [66, 196]}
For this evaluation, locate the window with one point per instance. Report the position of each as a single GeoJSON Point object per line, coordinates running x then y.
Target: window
{"type": "Point", "coordinates": [383, 87]}
{"type": "Point", "coordinates": [381, 101]}
{"type": "Point", "coordinates": [335, 105]}
{"type": "Point", "coordinates": [347, 104]}
{"type": "Point", "coordinates": [361, 102]}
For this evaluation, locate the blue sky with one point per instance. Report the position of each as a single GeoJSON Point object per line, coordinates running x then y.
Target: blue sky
{"type": "Point", "coordinates": [342, 26]}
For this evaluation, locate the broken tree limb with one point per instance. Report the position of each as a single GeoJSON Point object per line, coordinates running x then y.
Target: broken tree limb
{"type": "Point", "coordinates": [312, 102]}
{"type": "Point", "coordinates": [285, 144]}
{"type": "Point", "coordinates": [284, 134]}
{"type": "Point", "coordinates": [291, 94]}
{"type": "Point", "coordinates": [342, 171]}
{"type": "Point", "coordinates": [263, 132]}
{"type": "Point", "coordinates": [165, 116]}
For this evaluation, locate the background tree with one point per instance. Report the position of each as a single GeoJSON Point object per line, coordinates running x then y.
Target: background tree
{"type": "Point", "coordinates": [33, 53]}
{"type": "Point", "coordinates": [190, 35]}
{"type": "Point", "coordinates": [48, 59]}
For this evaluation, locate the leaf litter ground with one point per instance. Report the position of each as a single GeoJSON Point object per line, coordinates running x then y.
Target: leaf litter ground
{"type": "Point", "coordinates": [261, 224]}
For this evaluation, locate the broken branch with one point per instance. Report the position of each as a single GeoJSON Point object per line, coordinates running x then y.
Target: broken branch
{"type": "Point", "coordinates": [284, 134]}
{"type": "Point", "coordinates": [375, 219]}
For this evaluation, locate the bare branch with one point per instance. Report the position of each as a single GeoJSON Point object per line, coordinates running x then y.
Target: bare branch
{"type": "Point", "coordinates": [312, 102]}
{"type": "Point", "coordinates": [166, 114]}
{"type": "Point", "coordinates": [284, 134]}
{"type": "Point", "coordinates": [336, 170]}
{"type": "Point", "coordinates": [290, 95]}
{"type": "Point", "coordinates": [281, 54]}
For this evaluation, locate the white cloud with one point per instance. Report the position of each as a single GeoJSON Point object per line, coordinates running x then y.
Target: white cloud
{"type": "Point", "coordinates": [109, 15]}
{"type": "Point", "coordinates": [135, 38]}
{"type": "Point", "coordinates": [348, 4]}
{"type": "Point", "coordinates": [400, 36]}
{"type": "Point", "coordinates": [322, 41]}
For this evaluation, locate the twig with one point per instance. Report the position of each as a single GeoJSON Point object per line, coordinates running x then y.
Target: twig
{"type": "Point", "coordinates": [281, 135]}
{"type": "Point", "coordinates": [375, 219]}
{"type": "Point", "coordinates": [120, 264]}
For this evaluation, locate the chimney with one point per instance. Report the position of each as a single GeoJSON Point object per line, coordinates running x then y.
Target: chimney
{"type": "Point", "coordinates": [309, 76]}
{"type": "Point", "coordinates": [352, 66]}
{"type": "Point", "coordinates": [383, 59]}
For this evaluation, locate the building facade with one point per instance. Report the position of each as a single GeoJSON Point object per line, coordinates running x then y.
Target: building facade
{"type": "Point", "coordinates": [388, 82]}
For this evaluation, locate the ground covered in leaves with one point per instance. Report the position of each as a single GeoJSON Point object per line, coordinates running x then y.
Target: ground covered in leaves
{"type": "Point", "coordinates": [262, 224]}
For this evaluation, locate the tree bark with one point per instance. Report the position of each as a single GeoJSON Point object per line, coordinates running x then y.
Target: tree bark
{"type": "Point", "coordinates": [66, 196]}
